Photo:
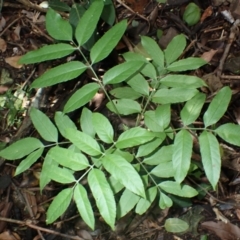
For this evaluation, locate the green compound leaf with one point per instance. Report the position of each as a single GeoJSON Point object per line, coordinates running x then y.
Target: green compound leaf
{"type": "Point", "coordinates": [124, 106]}
{"type": "Point", "coordinates": [192, 14]}
{"type": "Point", "coordinates": [29, 161]}
{"type": "Point", "coordinates": [103, 127]}
{"type": "Point", "coordinates": [49, 52]}
{"type": "Point", "coordinates": [21, 148]}
{"type": "Point", "coordinates": [211, 158]}
{"type": "Point", "coordinates": [134, 137]}
{"type": "Point", "coordinates": [124, 172]}
{"type": "Point", "coordinates": [63, 122]}
{"type": "Point", "coordinates": [88, 22]}
{"type": "Point", "coordinates": [192, 109]}
{"type": "Point", "coordinates": [57, 27]}
{"type": "Point", "coordinates": [173, 95]}
{"type": "Point", "coordinates": [190, 63]}
{"type": "Point", "coordinates": [44, 126]}
{"type": "Point", "coordinates": [144, 204]}
{"type": "Point", "coordinates": [175, 225]}
{"type": "Point", "coordinates": [139, 84]}
{"type": "Point", "coordinates": [81, 97]}
{"type": "Point", "coordinates": [163, 115]}
{"type": "Point", "coordinates": [152, 122]}
{"type": "Point", "coordinates": [59, 205]}
{"type": "Point", "coordinates": [230, 133]}
{"type": "Point", "coordinates": [165, 201]}
{"type": "Point", "coordinates": [61, 73]}
{"type": "Point", "coordinates": [68, 158]}
{"type": "Point", "coordinates": [217, 107]}
{"type": "Point", "coordinates": [126, 203]}
{"type": "Point", "coordinates": [182, 81]}
{"type": "Point", "coordinates": [84, 206]}
{"type": "Point", "coordinates": [103, 47]}
{"type": "Point", "coordinates": [125, 92]}
{"type": "Point", "coordinates": [175, 48]}
{"type": "Point", "coordinates": [122, 72]}
{"type": "Point", "coordinates": [103, 196]}
{"type": "Point", "coordinates": [153, 50]}
{"type": "Point", "coordinates": [84, 142]}
{"type": "Point", "coordinates": [164, 170]}
{"type": "Point", "coordinates": [60, 175]}
{"type": "Point", "coordinates": [182, 153]}
{"type": "Point", "coordinates": [86, 125]}
{"type": "Point", "coordinates": [108, 14]}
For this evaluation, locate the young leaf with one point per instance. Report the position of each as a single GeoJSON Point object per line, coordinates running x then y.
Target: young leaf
{"type": "Point", "coordinates": [61, 73]}
{"type": "Point", "coordinates": [182, 152]}
{"type": "Point", "coordinates": [144, 204]}
{"type": "Point", "coordinates": [84, 142]}
{"type": "Point", "coordinates": [163, 170]}
{"type": "Point", "coordinates": [176, 225]}
{"type": "Point", "coordinates": [44, 126]}
{"type": "Point", "coordinates": [217, 107]}
{"type": "Point", "coordinates": [192, 109]}
{"type": "Point", "coordinates": [88, 22]}
{"type": "Point", "coordinates": [139, 84]}
{"type": "Point", "coordinates": [84, 206]}
{"type": "Point", "coordinates": [124, 106]}
{"type": "Point", "coordinates": [163, 115]}
{"type": "Point", "coordinates": [124, 172]}
{"type": "Point", "coordinates": [60, 175]}
{"type": "Point", "coordinates": [28, 161]}
{"type": "Point", "coordinates": [153, 50]}
{"type": "Point", "coordinates": [211, 158]}
{"type": "Point", "coordinates": [68, 158]}
{"type": "Point", "coordinates": [173, 95]}
{"type": "Point", "coordinates": [102, 127]}
{"type": "Point", "coordinates": [86, 125]}
{"type": "Point", "coordinates": [182, 81]}
{"type": "Point", "coordinates": [175, 48]}
{"type": "Point", "coordinates": [63, 122]}
{"type": "Point", "coordinates": [165, 201]}
{"type": "Point", "coordinates": [126, 203]}
{"type": "Point", "coordinates": [81, 97]}
{"type": "Point", "coordinates": [21, 148]}
{"type": "Point", "coordinates": [134, 137]}
{"type": "Point", "coordinates": [59, 205]}
{"type": "Point", "coordinates": [103, 196]}
{"type": "Point", "coordinates": [229, 132]}
{"type": "Point", "coordinates": [186, 64]}
{"type": "Point", "coordinates": [125, 92]}
{"type": "Point", "coordinates": [103, 47]}
{"type": "Point", "coordinates": [122, 72]}
{"type": "Point", "coordinates": [48, 52]}
{"type": "Point", "coordinates": [192, 14]}
{"type": "Point", "coordinates": [57, 27]}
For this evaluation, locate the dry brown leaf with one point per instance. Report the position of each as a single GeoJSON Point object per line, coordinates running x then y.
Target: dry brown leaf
{"type": "Point", "coordinates": [207, 13]}
{"type": "Point", "coordinates": [207, 56]}
{"type": "Point", "coordinates": [7, 235]}
{"type": "Point", "coordinates": [13, 61]}
{"type": "Point", "coordinates": [98, 99]}
{"type": "Point", "coordinates": [2, 23]}
{"type": "Point", "coordinates": [3, 89]}
{"type": "Point", "coordinates": [220, 216]}
{"type": "Point", "coordinates": [3, 45]}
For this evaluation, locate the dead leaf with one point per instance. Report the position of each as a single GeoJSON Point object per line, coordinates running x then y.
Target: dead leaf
{"type": "Point", "coordinates": [207, 13]}
{"type": "Point", "coordinates": [3, 89]}
{"type": "Point", "coordinates": [220, 216]}
{"type": "Point", "coordinates": [207, 56]}
{"type": "Point", "coordinates": [3, 45]}
{"type": "Point", "coordinates": [7, 235]}
{"type": "Point", "coordinates": [13, 61]}
{"type": "Point", "coordinates": [2, 23]}
{"type": "Point", "coordinates": [98, 99]}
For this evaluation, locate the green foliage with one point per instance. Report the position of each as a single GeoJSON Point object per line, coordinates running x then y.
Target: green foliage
{"type": "Point", "coordinates": [142, 163]}
{"type": "Point", "coordinates": [192, 14]}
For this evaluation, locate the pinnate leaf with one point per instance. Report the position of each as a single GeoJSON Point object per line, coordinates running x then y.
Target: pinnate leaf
{"type": "Point", "coordinates": [86, 125]}
{"type": "Point", "coordinates": [163, 170]}
{"type": "Point", "coordinates": [60, 175]}
{"type": "Point", "coordinates": [139, 84]}
{"type": "Point", "coordinates": [176, 225]}
{"type": "Point", "coordinates": [165, 201]}
{"type": "Point", "coordinates": [163, 115]}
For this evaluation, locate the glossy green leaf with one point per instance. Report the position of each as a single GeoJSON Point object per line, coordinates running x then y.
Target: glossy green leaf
{"type": "Point", "coordinates": [124, 172]}
{"type": "Point", "coordinates": [104, 46]}
{"type": "Point", "coordinates": [211, 157]}
{"type": "Point", "coordinates": [182, 153]}
{"type": "Point", "coordinates": [61, 175]}
{"type": "Point", "coordinates": [48, 52]}
{"type": "Point", "coordinates": [134, 137]}
{"type": "Point", "coordinates": [186, 64]}
{"type": "Point", "coordinates": [153, 50]}
{"type": "Point", "coordinates": [182, 81]}
{"type": "Point", "coordinates": [84, 206]}
{"type": "Point", "coordinates": [59, 205]}
{"type": "Point", "coordinates": [175, 225]}
{"type": "Point", "coordinates": [103, 196]}
{"type": "Point", "coordinates": [192, 14]}
{"type": "Point", "coordinates": [21, 148]}
{"type": "Point", "coordinates": [44, 126]}
{"type": "Point", "coordinates": [229, 132]}
{"type": "Point", "coordinates": [122, 72]}
{"type": "Point", "coordinates": [103, 127]}
{"type": "Point", "coordinates": [165, 201]}
{"type": "Point", "coordinates": [61, 73]}
{"type": "Point", "coordinates": [124, 106]}
{"type": "Point", "coordinates": [163, 115]}
{"type": "Point", "coordinates": [29, 161]}
{"type": "Point", "coordinates": [84, 142]}
{"type": "Point", "coordinates": [86, 125]}
{"type": "Point", "coordinates": [125, 92]}
{"type": "Point", "coordinates": [192, 109]}
{"type": "Point", "coordinates": [217, 107]}
{"type": "Point", "coordinates": [139, 84]}
{"type": "Point", "coordinates": [68, 158]}
{"type": "Point", "coordinates": [163, 170]}
{"type": "Point", "coordinates": [57, 27]}
{"type": "Point", "coordinates": [88, 22]}
{"type": "Point", "coordinates": [144, 204]}
{"type": "Point", "coordinates": [173, 95]}
{"type": "Point", "coordinates": [126, 203]}
{"type": "Point", "coordinates": [175, 48]}
{"type": "Point", "coordinates": [81, 97]}
{"type": "Point", "coordinates": [63, 122]}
